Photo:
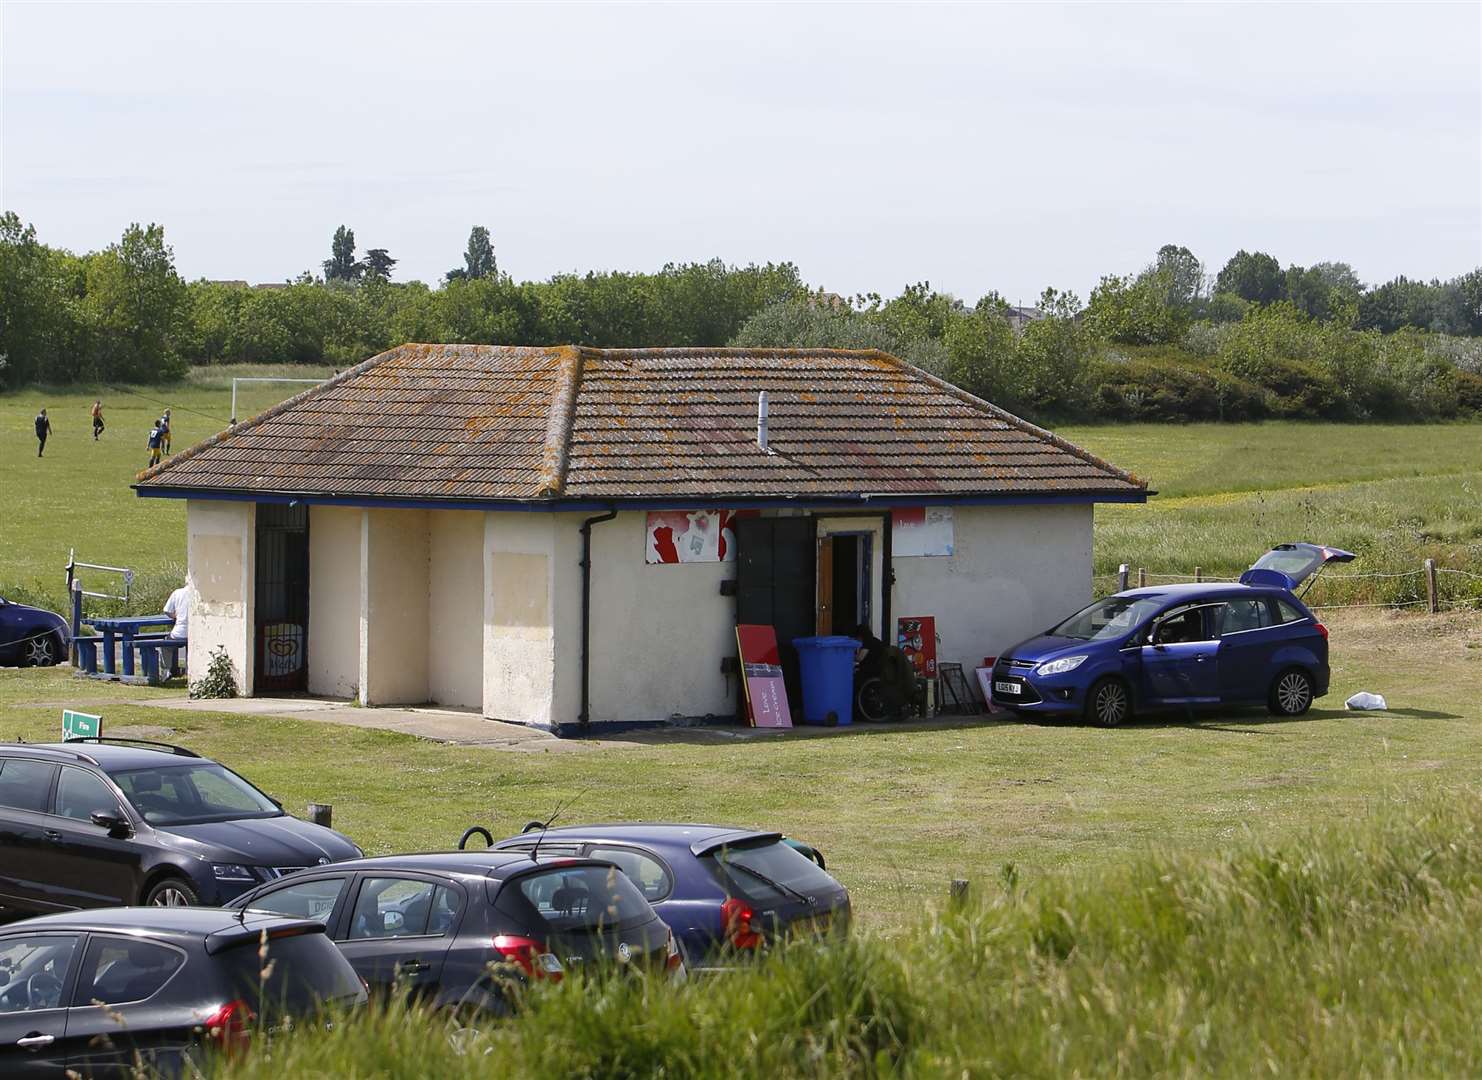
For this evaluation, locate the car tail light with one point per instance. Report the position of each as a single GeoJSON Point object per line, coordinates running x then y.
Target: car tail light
{"type": "Point", "coordinates": [230, 1027]}
{"type": "Point", "coordinates": [736, 915]}
{"type": "Point", "coordinates": [530, 957]}
{"type": "Point", "coordinates": [1321, 629]}
{"type": "Point", "coordinates": [673, 961]}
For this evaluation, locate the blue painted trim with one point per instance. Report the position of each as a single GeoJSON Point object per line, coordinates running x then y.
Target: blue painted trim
{"type": "Point", "coordinates": [553, 506]}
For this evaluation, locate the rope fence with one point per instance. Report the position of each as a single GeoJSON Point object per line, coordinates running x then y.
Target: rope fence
{"type": "Point", "coordinates": [1425, 586]}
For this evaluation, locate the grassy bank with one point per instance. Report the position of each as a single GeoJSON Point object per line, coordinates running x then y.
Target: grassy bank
{"type": "Point", "coordinates": [1394, 494]}
{"type": "Point", "coordinates": [1343, 952]}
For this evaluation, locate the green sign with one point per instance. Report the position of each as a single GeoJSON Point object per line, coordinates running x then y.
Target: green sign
{"type": "Point", "coordinates": [80, 725]}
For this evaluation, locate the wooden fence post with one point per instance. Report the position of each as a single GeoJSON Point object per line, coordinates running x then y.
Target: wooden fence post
{"type": "Point", "coordinates": [958, 894]}
{"type": "Point", "coordinates": [1432, 598]}
{"type": "Point", "coordinates": [1198, 574]}
{"type": "Point", "coordinates": [1142, 577]}
{"type": "Point", "coordinates": [321, 813]}
{"type": "Point", "coordinates": [1122, 578]}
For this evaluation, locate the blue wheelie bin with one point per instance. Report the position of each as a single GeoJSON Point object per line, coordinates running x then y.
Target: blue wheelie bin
{"type": "Point", "coordinates": [826, 668]}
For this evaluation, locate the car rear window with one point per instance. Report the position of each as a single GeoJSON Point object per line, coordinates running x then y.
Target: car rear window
{"type": "Point", "coordinates": [580, 899]}
{"type": "Point", "coordinates": [1289, 612]}
{"type": "Point", "coordinates": [119, 970]}
{"type": "Point", "coordinates": [26, 785]}
{"type": "Point", "coordinates": [191, 794]}
{"type": "Point", "coordinates": [765, 872]}
{"type": "Point", "coordinates": [294, 974]}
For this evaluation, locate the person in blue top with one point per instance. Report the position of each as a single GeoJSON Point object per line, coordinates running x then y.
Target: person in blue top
{"type": "Point", "coordinates": [43, 429]}
{"type": "Point", "coordinates": [165, 431]}
{"type": "Point", "coordinates": [156, 437]}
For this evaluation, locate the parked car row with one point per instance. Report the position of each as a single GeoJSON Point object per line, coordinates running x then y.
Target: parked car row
{"type": "Point", "coordinates": [126, 840]}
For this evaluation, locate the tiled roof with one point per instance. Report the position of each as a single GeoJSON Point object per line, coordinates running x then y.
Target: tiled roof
{"type": "Point", "coordinates": [491, 423]}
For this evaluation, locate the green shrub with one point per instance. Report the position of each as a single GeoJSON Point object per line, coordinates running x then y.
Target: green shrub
{"type": "Point", "coordinates": [1150, 389]}
{"type": "Point", "coordinates": [220, 680]}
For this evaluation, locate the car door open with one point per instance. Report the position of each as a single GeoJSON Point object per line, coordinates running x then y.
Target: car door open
{"type": "Point", "coordinates": [1180, 659]}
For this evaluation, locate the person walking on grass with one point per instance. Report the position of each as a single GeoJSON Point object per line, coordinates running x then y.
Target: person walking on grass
{"type": "Point", "coordinates": [43, 429]}
{"type": "Point", "coordinates": [97, 419]}
{"type": "Point", "coordinates": [156, 436]}
{"type": "Point", "coordinates": [165, 431]}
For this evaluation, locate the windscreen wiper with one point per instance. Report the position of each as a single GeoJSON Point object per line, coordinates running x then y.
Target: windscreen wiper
{"type": "Point", "coordinates": [765, 880]}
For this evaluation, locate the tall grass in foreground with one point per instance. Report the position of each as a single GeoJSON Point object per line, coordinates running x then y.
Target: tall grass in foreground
{"type": "Point", "coordinates": [1352, 952]}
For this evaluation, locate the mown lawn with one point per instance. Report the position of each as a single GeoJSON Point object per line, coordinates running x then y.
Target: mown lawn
{"type": "Point", "coordinates": [899, 810]}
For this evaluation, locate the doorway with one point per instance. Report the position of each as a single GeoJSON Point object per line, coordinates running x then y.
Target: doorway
{"type": "Point", "coordinates": [282, 599]}
{"type": "Point", "coordinates": [845, 582]}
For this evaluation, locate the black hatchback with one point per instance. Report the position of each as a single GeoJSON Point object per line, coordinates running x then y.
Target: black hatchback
{"type": "Point", "coordinates": [94, 823]}
{"type": "Point", "coordinates": [469, 928]}
{"type": "Point", "coordinates": [91, 993]}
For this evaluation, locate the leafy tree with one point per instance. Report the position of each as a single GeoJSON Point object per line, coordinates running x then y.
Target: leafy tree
{"type": "Point", "coordinates": [378, 263]}
{"type": "Point", "coordinates": [341, 265]}
{"type": "Point", "coordinates": [1180, 273]}
{"type": "Point", "coordinates": [1053, 354]}
{"type": "Point", "coordinates": [1136, 311]}
{"type": "Point", "coordinates": [136, 300]}
{"type": "Point", "coordinates": [478, 260]}
{"type": "Point", "coordinates": [1252, 276]}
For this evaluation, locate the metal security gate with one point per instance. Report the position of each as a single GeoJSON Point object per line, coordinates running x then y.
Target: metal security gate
{"type": "Point", "coordinates": [282, 594]}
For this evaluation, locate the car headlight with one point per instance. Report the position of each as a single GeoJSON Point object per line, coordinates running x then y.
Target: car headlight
{"type": "Point", "coordinates": [232, 872]}
{"type": "Point", "coordinates": [1061, 666]}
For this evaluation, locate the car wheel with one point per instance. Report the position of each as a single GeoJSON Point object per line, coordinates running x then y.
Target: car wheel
{"type": "Point", "coordinates": [1108, 703]}
{"type": "Point", "coordinates": [40, 651]}
{"type": "Point", "coordinates": [172, 892]}
{"type": "Point", "coordinates": [1291, 693]}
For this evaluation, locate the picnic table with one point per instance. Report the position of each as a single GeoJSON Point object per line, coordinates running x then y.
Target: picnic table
{"type": "Point", "coordinates": [126, 630]}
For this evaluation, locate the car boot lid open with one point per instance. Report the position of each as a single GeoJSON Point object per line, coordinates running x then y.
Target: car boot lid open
{"type": "Point", "coordinates": [1286, 566]}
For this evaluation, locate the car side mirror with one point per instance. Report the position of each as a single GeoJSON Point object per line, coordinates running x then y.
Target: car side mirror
{"type": "Point", "coordinates": [113, 822]}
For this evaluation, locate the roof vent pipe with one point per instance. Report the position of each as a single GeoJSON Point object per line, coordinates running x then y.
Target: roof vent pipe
{"type": "Point", "coordinates": [761, 420]}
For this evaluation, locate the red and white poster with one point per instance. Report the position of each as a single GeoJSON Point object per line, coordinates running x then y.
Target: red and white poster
{"type": "Point", "coordinates": [917, 638]}
{"type": "Point", "coordinates": [761, 675]}
{"type": "Point", "coordinates": [921, 530]}
{"type": "Point", "coordinates": [684, 536]}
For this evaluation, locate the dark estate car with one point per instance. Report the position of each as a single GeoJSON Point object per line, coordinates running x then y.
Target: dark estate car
{"type": "Point", "coordinates": [723, 890]}
{"type": "Point", "coordinates": [31, 636]}
{"type": "Point", "coordinates": [83, 993]}
{"type": "Point", "coordinates": [1180, 647]}
{"type": "Point", "coordinates": [99, 822]}
{"type": "Point", "coordinates": [461, 928]}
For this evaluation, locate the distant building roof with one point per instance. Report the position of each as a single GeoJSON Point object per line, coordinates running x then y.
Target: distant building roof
{"type": "Point", "coordinates": [488, 423]}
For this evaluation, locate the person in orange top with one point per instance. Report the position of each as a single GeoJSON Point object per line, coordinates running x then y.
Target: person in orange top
{"type": "Point", "coordinates": [97, 419]}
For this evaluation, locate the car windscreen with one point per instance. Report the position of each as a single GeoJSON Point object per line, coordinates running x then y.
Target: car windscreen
{"type": "Point", "coordinates": [192, 794]}
{"type": "Point", "coordinates": [771, 872]}
{"type": "Point", "coordinates": [582, 899]}
{"type": "Point", "coordinates": [1109, 618]}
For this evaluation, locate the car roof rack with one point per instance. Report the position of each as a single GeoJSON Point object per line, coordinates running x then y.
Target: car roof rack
{"type": "Point", "coordinates": [46, 749]}
{"type": "Point", "coordinates": [105, 740]}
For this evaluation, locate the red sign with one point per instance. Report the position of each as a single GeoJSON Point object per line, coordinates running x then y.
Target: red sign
{"type": "Point", "coordinates": [917, 638]}
{"type": "Point", "coordinates": [761, 675]}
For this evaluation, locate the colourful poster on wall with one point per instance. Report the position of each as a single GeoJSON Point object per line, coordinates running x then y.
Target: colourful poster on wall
{"type": "Point", "coordinates": [921, 530]}
{"type": "Point", "coordinates": [761, 675]}
{"type": "Point", "coordinates": [917, 638]}
{"type": "Point", "coordinates": [686, 536]}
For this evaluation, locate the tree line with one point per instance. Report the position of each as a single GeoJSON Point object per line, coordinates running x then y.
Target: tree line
{"type": "Point", "coordinates": [1171, 341]}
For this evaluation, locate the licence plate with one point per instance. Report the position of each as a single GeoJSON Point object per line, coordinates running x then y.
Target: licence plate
{"type": "Point", "coordinates": [1002, 687]}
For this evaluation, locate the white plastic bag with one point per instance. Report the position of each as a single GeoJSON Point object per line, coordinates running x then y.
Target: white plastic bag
{"type": "Point", "coordinates": [1366, 701]}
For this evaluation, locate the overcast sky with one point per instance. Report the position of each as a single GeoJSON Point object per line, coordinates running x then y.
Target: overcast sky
{"type": "Point", "coordinates": [981, 147]}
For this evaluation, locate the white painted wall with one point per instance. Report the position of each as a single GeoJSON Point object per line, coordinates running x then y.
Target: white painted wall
{"type": "Point", "coordinates": [1014, 571]}
{"type": "Point", "coordinates": [520, 552]}
{"type": "Point", "coordinates": [455, 580]}
{"type": "Point", "coordinates": [221, 552]}
{"type": "Point", "coordinates": [393, 607]}
{"type": "Point", "coordinates": [659, 633]}
{"type": "Point", "coordinates": [334, 601]}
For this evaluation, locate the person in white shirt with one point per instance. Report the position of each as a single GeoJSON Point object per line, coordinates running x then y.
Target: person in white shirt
{"type": "Point", "coordinates": [178, 608]}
